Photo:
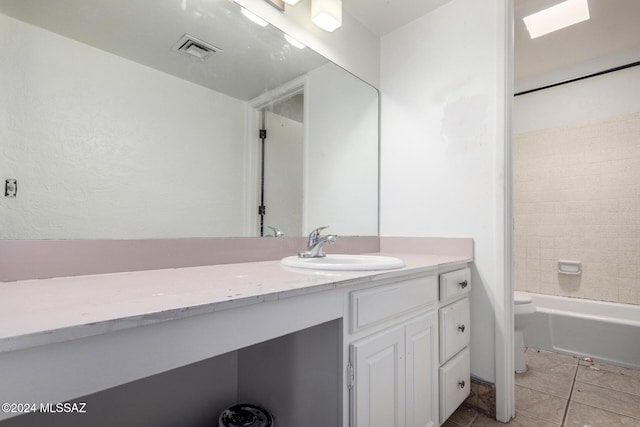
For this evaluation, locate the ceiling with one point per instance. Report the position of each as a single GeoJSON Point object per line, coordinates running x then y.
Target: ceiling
{"type": "Point", "coordinates": [145, 31]}
{"type": "Point", "coordinates": [383, 16]}
{"type": "Point", "coordinates": [610, 38]}
{"type": "Point", "coordinates": [253, 60]}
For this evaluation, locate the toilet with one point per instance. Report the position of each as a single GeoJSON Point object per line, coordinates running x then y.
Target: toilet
{"type": "Point", "coordinates": [523, 309]}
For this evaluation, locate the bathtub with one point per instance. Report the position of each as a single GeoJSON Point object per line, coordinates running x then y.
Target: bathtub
{"type": "Point", "coordinates": [605, 331]}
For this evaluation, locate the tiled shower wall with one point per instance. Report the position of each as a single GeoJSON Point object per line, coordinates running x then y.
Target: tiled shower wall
{"type": "Point", "coordinates": [576, 196]}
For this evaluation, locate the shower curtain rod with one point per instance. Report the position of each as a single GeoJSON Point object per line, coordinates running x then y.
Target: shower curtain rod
{"type": "Point", "coordinates": [563, 82]}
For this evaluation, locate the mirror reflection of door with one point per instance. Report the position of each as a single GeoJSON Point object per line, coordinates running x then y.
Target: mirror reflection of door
{"type": "Point", "coordinates": [283, 167]}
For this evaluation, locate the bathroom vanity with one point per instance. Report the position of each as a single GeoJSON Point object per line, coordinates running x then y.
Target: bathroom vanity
{"type": "Point", "coordinates": [350, 348]}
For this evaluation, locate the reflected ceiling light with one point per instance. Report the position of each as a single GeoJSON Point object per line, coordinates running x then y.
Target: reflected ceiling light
{"type": "Point", "coordinates": [556, 17]}
{"type": "Point", "coordinates": [292, 2]}
{"type": "Point", "coordinates": [253, 17]}
{"type": "Point", "coordinates": [327, 14]}
{"type": "Point", "coordinates": [293, 42]}
{"type": "Point", "coordinates": [278, 4]}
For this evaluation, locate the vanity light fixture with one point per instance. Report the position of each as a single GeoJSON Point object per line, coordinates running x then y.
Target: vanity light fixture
{"type": "Point", "coordinates": [554, 18]}
{"type": "Point", "coordinates": [327, 14]}
{"type": "Point", "coordinates": [254, 18]}
{"type": "Point", "coordinates": [278, 4]}
{"type": "Point", "coordinates": [293, 42]}
{"type": "Point", "coordinates": [292, 2]}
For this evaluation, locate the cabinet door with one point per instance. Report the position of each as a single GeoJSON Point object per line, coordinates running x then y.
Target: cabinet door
{"type": "Point", "coordinates": [377, 398]}
{"type": "Point", "coordinates": [422, 371]}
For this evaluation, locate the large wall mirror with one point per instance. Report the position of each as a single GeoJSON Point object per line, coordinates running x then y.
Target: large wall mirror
{"type": "Point", "coordinates": [130, 120]}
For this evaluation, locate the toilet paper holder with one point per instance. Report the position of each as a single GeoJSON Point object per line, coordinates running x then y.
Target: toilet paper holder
{"type": "Point", "coordinates": [569, 267]}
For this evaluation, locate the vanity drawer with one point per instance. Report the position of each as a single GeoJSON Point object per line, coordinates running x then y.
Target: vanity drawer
{"type": "Point", "coordinates": [454, 328]}
{"type": "Point", "coordinates": [455, 383]}
{"type": "Point", "coordinates": [373, 305]}
{"type": "Point", "coordinates": [454, 283]}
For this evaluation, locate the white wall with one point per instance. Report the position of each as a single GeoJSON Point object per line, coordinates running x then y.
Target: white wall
{"type": "Point", "coordinates": [103, 147]}
{"type": "Point", "coordinates": [576, 154]}
{"type": "Point", "coordinates": [283, 154]}
{"type": "Point", "coordinates": [351, 46]}
{"type": "Point", "coordinates": [595, 98]}
{"type": "Point", "coordinates": [442, 150]}
{"type": "Point", "coordinates": [341, 157]}
{"type": "Point", "coordinates": [614, 59]}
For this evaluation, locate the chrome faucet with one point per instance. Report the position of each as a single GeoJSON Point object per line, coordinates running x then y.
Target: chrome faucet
{"type": "Point", "coordinates": [316, 242]}
{"type": "Point", "coordinates": [276, 232]}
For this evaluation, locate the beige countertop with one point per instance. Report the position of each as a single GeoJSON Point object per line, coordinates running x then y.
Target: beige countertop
{"type": "Point", "coordinates": [44, 311]}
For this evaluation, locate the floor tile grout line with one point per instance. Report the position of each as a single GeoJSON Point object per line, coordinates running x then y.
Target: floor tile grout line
{"type": "Point", "coordinates": [535, 417]}
{"type": "Point", "coordinates": [606, 410]}
{"type": "Point", "coordinates": [548, 393]}
{"type": "Point", "coordinates": [608, 388]}
{"type": "Point", "coordinates": [569, 399]}
{"type": "Point", "coordinates": [566, 408]}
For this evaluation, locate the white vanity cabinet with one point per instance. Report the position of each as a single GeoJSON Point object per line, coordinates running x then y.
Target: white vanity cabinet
{"type": "Point", "coordinates": [347, 349]}
{"type": "Point", "coordinates": [393, 354]}
{"type": "Point", "coordinates": [454, 328]}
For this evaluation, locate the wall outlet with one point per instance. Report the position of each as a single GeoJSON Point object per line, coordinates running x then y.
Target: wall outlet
{"type": "Point", "coordinates": [10, 187]}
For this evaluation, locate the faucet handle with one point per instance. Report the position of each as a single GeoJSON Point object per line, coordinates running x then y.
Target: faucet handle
{"type": "Point", "coordinates": [314, 246]}
{"type": "Point", "coordinates": [313, 236]}
{"type": "Point", "coordinates": [319, 229]}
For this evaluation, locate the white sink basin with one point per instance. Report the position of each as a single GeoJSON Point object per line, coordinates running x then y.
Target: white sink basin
{"type": "Point", "coordinates": [345, 262]}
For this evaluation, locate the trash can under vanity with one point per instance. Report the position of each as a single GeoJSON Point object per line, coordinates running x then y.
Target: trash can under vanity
{"type": "Point", "coordinates": [245, 415]}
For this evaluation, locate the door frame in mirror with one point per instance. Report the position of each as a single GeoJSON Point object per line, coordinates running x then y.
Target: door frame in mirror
{"type": "Point", "coordinates": [252, 149]}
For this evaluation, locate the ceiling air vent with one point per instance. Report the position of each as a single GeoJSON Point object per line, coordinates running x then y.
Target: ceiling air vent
{"type": "Point", "coordinates": [195, 48]}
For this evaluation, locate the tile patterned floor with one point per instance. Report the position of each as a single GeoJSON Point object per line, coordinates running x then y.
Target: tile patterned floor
{"type": "Point", "coordinates": [563, 391]}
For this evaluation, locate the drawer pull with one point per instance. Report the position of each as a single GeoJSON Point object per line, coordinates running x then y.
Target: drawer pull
{"type": "Point", "coordinates": [461, 328]}
{"type": "Point", "coordinates": [461, 384]}
{"type": "Point", "coordinates": [463, 284]}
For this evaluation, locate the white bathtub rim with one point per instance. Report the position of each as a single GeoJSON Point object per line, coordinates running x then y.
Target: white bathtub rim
{"type": "Point", "coordinates": [601, 318]}
{"type": "Point", "coordinates": [592, 359]}
{"type": "Point", "coordinates": [547, 330]}
{"type": "Point", "coordinates": [615, 310]}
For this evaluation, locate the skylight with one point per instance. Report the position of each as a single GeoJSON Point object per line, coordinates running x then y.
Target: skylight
{"type": "Point", "coordinates": [554, 18]}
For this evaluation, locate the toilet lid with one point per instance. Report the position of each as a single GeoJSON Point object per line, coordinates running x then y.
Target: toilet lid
{"type": "Point", "coordinates": [522, 298]}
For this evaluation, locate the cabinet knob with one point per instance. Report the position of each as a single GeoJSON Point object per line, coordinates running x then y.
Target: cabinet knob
{"type": "Point", "coordinates": [461, 384]}
{"type": "Point", "coordinates": [463, 284]}
{"type": "Point", "coordinates": [461, 328]}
